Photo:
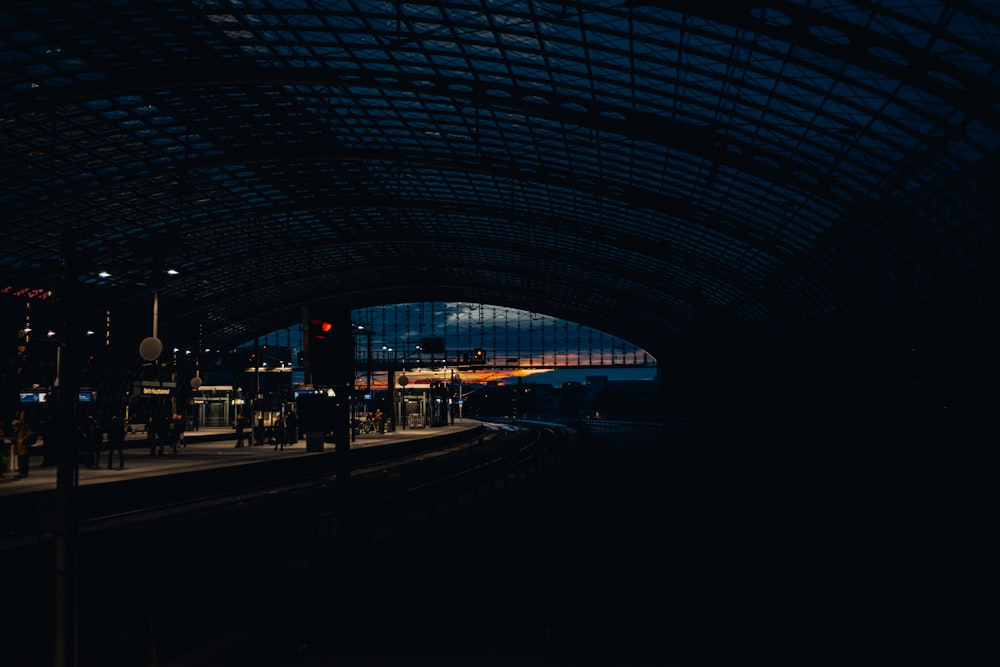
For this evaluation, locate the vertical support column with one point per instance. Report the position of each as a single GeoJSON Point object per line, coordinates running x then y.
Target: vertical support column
{"type": "Point", "coordinates": [65, 529]}
{"type": "Point", "coordinates": [306, 375]}
{"type": "Point", "coordinates": [338, 367]}
{"type": "Point", "coordinates": [257, 404]}
{"type": "Point", "coordinates": [390, 375]}
{"type": "Point", "coordinates": [369, 367]}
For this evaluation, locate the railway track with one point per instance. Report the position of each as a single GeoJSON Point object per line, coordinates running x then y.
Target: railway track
{"type": "Point", "coordinates": [196, 580]}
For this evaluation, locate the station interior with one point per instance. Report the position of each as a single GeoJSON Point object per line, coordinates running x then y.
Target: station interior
{"type": "Point", "coordinates": [762, 236]}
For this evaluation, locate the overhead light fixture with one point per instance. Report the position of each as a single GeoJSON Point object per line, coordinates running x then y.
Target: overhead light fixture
{"type": "Point", "coordinates": [172, 272]}
{"type": "Point", "coordinates": [103, 274]}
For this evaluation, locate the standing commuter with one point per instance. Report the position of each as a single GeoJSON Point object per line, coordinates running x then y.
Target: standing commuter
{"type": "Point", "coordinates": [279, 433]}
{"type": "Point", "coordinates": [291, 428]}
{"type": "Point", "coordinates": [176, 432]}
{"type": "Point", "coordinates": [92, 438]}
{"type": "Point", "coordinates": [86, 453]}
{"type": "Point", "coordinates": [239, 431]}
{"type": "Point", "coordinates": [164, 430]}
{"type": "Point", "coordinates": [116, 442]}
{"type": "Point", "coordinates": [42, 422]}
{"type": "Point", "coordinates": [23, 437]}
{"type": "Point", "coordinates": [258, 431]}
{"type": "Point", "coordinates": [151, 436]}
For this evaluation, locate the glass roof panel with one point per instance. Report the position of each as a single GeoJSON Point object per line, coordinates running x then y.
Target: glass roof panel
{"type": "Point", "coordinates": [784, 121]}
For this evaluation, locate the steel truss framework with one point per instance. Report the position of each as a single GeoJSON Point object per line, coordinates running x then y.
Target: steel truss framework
{"type": "Point", "coordinates": [464, 335]}
{"type": "Point", "coordinates": [643, 168]}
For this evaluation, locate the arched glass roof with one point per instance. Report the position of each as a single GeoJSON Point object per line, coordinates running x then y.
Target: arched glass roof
{"type": "Point", "coordinates": [645, 168]}
{"type": "Point", "coordinates": [443, 337]}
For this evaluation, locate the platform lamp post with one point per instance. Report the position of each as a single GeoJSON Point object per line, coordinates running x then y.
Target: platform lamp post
{"type": "Point", "coordinates": [361, 329]}
{"type": "Point", "coordinates": [403, 381]}
{"type": "Point", "coordinates": [258, 401]}
{"type": "Point", "coordinates": [196, 384]}
{"type": "Point", "coordinates": [389, 359]}
{"type": "Point", "coordinates": [151, 346]}
{"type": "Point", "coordinates": [173, 378]}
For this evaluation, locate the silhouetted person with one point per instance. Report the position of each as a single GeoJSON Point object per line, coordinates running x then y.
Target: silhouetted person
{"type": "Point", "coordinates": [292, 428]}
{"type": "Point", "coordinates": [239, 431]}
{"type": "Point", "coordinates": [175, 433]}
{"type": "Point", "coordinates": [164, 431]}
{"type": "Point", "coordinates": [161, 435]}
{"type": "Point", "coordinates": [151, 436]}
{"type": "Point", "coordinates": [42, 425]}
{"type": "Point", "coordinates": [258, 432]}
{"type": "Point", "coordinates": [116, 441]}
{"type": "Point", "coordinates": [279, 433]}
{"type": "Point", "coordinates": [92, 438]}
{"type": "Point", "coordinates": [23, 437]}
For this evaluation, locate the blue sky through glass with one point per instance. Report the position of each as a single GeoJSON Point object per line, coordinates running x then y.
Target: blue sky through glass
{"type": "Point", "coordinates": [513, 343]}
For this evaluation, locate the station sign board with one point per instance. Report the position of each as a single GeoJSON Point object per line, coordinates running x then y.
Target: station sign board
{"type": "Point", "coordinates": [42, 396]}
{"type": "Point", "coordinates": [154, 388]}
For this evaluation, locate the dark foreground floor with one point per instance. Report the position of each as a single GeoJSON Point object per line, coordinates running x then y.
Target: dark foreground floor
{"type": "Point", "coordinates": [652, 551]}
{"type": "Point", "coordinates": [714, 549]}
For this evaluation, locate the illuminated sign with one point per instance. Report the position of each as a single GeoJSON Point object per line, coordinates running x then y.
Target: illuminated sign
{"type": "Point", "coordinates": [86, 396]}
{"type": "Point", "coordinates": [154, 388]}
{"type": "Point", "coordinates": [26, 292]}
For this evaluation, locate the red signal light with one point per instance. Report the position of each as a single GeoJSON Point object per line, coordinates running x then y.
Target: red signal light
{"type": "Point", "coordinates": [320, 328]}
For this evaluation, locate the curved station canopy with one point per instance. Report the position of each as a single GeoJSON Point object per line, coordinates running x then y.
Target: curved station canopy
{"type": "Point", "coordinates": [650, 169]}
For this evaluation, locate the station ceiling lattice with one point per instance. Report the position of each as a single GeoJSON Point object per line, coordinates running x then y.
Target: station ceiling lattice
{"type": "Point", "coordinates": [644, 168]}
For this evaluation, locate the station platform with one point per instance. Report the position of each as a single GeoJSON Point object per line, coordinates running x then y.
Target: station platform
{"type": "Point", "coordinates": [203, 449]}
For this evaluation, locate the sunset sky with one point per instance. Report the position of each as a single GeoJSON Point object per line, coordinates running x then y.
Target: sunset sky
{"type": "Point", "coordinates": [518, 343]}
